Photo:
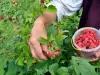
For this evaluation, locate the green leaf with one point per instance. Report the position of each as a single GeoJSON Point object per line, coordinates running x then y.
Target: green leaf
{"type": "Point", "coordinates": [53, 68]}
{"type": "Point", "coordinates": [20, 60]}
{"type": "Point", "coordinates": [43, 40]}
{"type": "Point", "coordinates": [51, 30]}
{"type": "Point", "coordinates": [51, 38]}
{"type": "Point", "coordinates": [3, 64]}
{"type": "Point", "coordinates": [62, 71]}
{"type": "Point", "coordinates": [41, 68]}
{"type": "Point", "coordinates": [12, 69]}
{"type": "Point", "coordinates": [60, 38]}
{"type": "Point", "coordinates": [51, 8]}
{"type": "Point", "coordinates": [2, 71]}
{"type": "Point", "coordinates": [29, 62]}
{"type": "Point", "coordinates": [82, 66]}
{"type": "Point", "coordinates": [21, 73]}
{"type": "Point", "coordinates": [44, 8]}
{"type": "Point", "coordinates": [28, 20]}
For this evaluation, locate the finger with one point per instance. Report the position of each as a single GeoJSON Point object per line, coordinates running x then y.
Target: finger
{"type": "Point", "coordinates": [32, 51]}
{"type": "Point", "coordinates": [44, 48]}
{"type": "Point", "coordinates": [33, 54]}
{"type": "Point", "coordinates": [97, 54]}
{"type": "Point", "coordinates": [38, 50]}
{"type": "Point", "coordinates": [94, 59]}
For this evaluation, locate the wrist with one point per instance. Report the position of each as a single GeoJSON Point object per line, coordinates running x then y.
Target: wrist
{"type": "Point", "coordinates": [38, 24]}
{"type": "Point", "coordinates": [39, 20]}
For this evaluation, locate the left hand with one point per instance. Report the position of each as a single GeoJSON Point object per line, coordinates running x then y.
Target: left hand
{"type": "Point", "coordinates": [96, 56]}
{"type": "Point", "coordinates": [93, 58]}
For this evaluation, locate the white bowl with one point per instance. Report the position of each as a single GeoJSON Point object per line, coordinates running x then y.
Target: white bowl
{"type": "Point", "coordinates": [78, 33]}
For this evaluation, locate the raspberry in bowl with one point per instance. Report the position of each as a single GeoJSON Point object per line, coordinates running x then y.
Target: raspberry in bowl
{"type": "Point", "coordinates": [87, 40]}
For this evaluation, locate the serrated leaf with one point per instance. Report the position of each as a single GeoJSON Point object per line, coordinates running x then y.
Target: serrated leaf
{"type": "Point", "coordinates": [51, 38]}
{"type": "Point", "coordinates": [55, 43]}
{"type": "Point", "coordinates": [12, 69]}
{"type": "Point", "coordinates": [43, 40]}
{"type": "Point", "coordinates": [51, 30]}
{"type": "Point", "coordinates": [41, 68]}
{"type": "Point", "coordinates": [21, 73]}
{"type": "Point", "coordinates": [20, 60]}
{"type": "Point", "coordinates": [3, 64]}
{"type": "Point", "coordinates": [53, 68]}
{"type": "Point", "coordinates": [62, 71]}
{"type": "Point", "coordinates": [82, 66]}
{"type": "Point", "coordinates": [44, 8]}
{"type": "Point", "coordinates": [60, 38]}
{"type": "Point", "coordinates": [29, 62]}
{"type": "Point", "coordinates": [2, 71]}
{"type": "Point", "coordinates": [51, 8]}
{"type": "Point", "coordinates": [3, 61]}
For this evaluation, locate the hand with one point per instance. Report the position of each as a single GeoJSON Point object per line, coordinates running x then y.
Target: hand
{"type": "Point", "coordinates": [38, 51]}
{"type": "Point", "coordinates": [93, 58]}
{"type": "Point", "coordinates": [96, 56]}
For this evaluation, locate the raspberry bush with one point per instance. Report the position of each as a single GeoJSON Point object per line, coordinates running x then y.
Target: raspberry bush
{"type": "Point", "coordinates": [16, 20]}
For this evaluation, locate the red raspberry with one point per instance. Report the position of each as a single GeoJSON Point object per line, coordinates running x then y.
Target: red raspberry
{"type": "Point", "coordinates": [58, 49]}
{"type": "Point", "coordinates": [42, 1]}
{"type": "Point", "coordinates": [57, 54]}
{"type": "Point", "coordinates": [49, 54]}
{"type": "Point", "coordinates": [13, 18]}
{"type": "Point", "coordinates": [14, 2]}
{"type": "Point", "coordinates": [1, 17]}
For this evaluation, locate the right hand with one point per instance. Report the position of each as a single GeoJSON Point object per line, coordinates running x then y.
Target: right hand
{"type": "Point", "coordinates": [38, 51]}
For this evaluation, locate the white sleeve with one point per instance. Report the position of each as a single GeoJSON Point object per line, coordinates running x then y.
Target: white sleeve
{"type": "Point", "coordinates": [66, 7]}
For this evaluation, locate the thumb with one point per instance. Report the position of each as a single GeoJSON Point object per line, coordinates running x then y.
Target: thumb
{"type": "Point", "coordinates": [98, 54]}
{"type": "Point", "coordinates": [44, 48]}
{"type": "Point", "coordinates": [46, 51]}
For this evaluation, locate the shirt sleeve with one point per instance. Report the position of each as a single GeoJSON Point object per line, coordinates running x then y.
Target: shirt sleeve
{"type": "Point", "coordinates": [66, 7]}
